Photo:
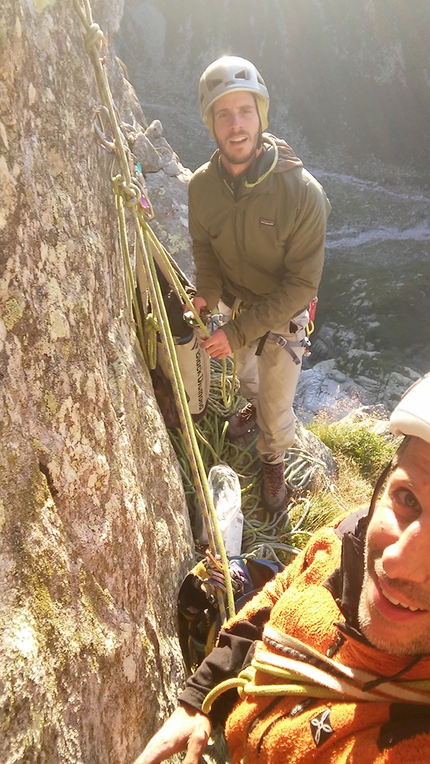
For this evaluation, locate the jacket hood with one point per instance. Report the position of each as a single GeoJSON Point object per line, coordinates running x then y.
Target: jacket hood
{"type": "Point", "coordinates": [286, 160]}
{"type": "Point", "coordinates": [277, 156]}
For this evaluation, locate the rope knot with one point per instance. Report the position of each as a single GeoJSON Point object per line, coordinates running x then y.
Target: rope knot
{"type": "Point", "coordinates": [129, 191]}
{"type": "Point", "coordinates": [151, 322]}
{"type": "Point", "coordinates": [94, 38]}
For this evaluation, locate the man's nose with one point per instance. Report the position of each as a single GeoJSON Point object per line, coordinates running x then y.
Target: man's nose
{"type": "Point", "coordinates": [408, 558]}
{"type": "Point", "coordinates": [236, 120]}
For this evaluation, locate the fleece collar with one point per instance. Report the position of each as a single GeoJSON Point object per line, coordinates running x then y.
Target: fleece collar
{"type": "Point", "coordinates": [345, 583]}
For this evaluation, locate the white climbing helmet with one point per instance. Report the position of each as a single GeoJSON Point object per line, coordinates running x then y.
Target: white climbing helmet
{"type": "Point", "coordinates": [412, 414]}
{"type": "Point", "coordinates": [231, 73]}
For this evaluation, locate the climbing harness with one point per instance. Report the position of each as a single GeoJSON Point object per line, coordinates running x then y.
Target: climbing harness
{"type": "Point", "coordinates": [289, 345]}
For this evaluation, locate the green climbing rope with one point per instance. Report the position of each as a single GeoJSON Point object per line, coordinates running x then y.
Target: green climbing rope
{"type": "Point", "coordinates": [280, 537]}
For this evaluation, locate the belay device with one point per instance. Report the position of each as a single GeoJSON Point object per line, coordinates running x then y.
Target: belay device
{"type": "Point", "coordinates": [193, 361]}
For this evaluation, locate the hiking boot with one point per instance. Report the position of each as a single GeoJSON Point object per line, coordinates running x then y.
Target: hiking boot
{"type": "Point", "coordinates": [274, 492]}
{"type": "Point", "coordinates": [242, 422]}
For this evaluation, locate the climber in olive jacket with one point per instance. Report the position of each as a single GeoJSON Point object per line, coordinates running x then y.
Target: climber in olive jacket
{"type": "Point", "coordinates": [261, 241]}
{"type": "Point", "coordinates": [257, 219]}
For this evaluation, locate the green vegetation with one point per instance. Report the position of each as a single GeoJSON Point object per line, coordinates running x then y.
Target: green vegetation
{"type": "Point", "coordinates": [361, 447]}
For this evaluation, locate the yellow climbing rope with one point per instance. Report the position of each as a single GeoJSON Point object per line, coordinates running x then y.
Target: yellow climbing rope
{"type": "Point", "coordinates": [128, 195]}
{"type": "Point", "coordinates": [264, 537]}
{"type": "Point", "coordinates": [275, 673]}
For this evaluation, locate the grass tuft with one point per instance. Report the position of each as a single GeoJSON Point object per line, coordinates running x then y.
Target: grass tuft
{"type": "Point", "coordinates": [359, 443]}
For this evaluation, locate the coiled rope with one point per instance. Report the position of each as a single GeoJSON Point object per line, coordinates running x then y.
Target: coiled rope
{"type": "Point", "coordinates": [272, 537]}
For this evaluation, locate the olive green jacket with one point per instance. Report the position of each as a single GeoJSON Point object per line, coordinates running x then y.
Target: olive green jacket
{"type": "Point", "coordinates": [262, 241]}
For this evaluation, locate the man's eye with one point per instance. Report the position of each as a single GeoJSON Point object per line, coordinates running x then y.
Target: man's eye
{"type": "Point", "coordinates": [407, 499]}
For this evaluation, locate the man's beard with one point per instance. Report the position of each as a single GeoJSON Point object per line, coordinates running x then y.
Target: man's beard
{"type": "Point", "coordinates": [389, 638]}
{"type": "Point", "coordinates": [234, 159]}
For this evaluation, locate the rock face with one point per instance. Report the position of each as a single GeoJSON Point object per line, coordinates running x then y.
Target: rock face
{"type": "Point", "coordinates": [94, 532]}
{"type": "Point", "coordinates": [325, 389]}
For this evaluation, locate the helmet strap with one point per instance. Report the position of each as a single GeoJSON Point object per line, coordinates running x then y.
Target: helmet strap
{"type": "Point", "coordinates": [378, 488]}
{"type": "Point", "coordinates": [260, 137]}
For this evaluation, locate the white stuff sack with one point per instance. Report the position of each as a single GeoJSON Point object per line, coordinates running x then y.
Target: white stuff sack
{"type": "Point", "coordinates": [225, 491]}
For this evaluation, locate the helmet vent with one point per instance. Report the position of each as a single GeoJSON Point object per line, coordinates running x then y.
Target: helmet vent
{"type": "Point", "coordinates": [243, 75]}
{"type": "Point", "coordinates": [213, 83]}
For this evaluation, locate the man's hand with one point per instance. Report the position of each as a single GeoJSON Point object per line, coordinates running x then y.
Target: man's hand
{"type": "Point", "coordinates": [185, 730]}
{"type": "Point", "coordinates": [217, 345]}
{"type": "Point", "coordinates": [199, 304]}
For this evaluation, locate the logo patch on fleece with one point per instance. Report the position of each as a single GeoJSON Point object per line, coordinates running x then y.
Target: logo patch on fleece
{"type": "Point", "coordinates": [321, 728]}
{"type": "Point", "coordinates": [267, 221]}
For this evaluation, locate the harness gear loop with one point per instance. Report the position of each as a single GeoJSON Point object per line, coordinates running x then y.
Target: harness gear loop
{"type": "Point", "coordinates": [125, 191]}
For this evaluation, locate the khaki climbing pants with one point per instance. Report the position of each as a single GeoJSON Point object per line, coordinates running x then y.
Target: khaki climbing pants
{"type": "Point", "coordinates": [269, 380]}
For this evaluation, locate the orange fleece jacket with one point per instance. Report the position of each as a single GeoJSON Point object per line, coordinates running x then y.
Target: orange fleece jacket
{"type": "Point", "coordinates": [263, 730]}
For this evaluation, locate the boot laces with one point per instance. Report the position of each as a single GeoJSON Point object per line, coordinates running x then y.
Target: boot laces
{"type": "Point", "coordinates": [274, 477]}
{"type": "Point", "coordinates": [246, 414]}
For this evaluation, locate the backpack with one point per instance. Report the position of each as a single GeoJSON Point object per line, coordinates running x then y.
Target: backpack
{"type": "Point", "coordinates": [198, 614]}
